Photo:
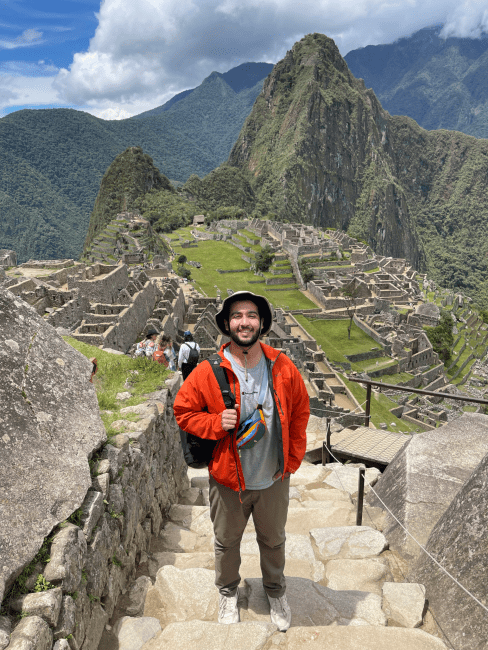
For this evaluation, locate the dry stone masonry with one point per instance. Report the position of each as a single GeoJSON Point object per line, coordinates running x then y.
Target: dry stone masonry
{"type": "Point", "coordinates": [340, 579]}
{"type": "Point", "coordinates": [127, 529]}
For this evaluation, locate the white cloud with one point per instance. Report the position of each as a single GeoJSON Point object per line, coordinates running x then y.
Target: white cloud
{"type": "Point", "coordinates": [111, 114]}
{"type": "Point", "coordinates": [28, 68]}
{"type": "Point", "coordinates": [28, 38]}
{"type": "Point", "coordinates": [468, 20]}
{"type": "Point", "coordinates": [26, 91]}
{"type": "Point", "coordinates": [145, 51]}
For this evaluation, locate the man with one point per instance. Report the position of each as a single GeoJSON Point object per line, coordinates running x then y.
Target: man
{"type": "Point", "coordinates": [249, 479]}
{"type": "Point", "coordinates": [185, 361]}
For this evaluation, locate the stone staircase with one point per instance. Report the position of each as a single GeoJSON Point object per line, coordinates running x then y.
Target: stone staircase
{"type": "Point", "coordinates": [340, 579]}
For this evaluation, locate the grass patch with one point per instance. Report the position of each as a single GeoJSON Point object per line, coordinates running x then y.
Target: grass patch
{"type": "Point", "coordinates": [373, 364]}
{"type": "Point", "coordinates": [218, 254]}
{"type": "Point", "coordinates": [380, 409]}
{"type": "Point", "coordinates": [332, 336]}
{"type": "Point", "coordinates": [144, 376]}
{"type": "Point", "coordinates": [375, 270]}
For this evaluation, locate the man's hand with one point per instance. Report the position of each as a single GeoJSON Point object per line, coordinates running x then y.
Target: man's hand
{"type": "Point", "coordinates": [278, 475]}
{"type": "Point", "coordinates": [229, 419]}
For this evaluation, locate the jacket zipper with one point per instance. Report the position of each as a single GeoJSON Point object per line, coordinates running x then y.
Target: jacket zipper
{"type": "Point", "coordinates": [231, 439]}
{"type": "Point", "coordinates": [279, 429]}
{"type": "Point", "coordinates": [281, 408]}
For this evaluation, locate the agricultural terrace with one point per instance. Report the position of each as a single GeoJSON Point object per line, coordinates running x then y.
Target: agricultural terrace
{"type": "Point", "coordinates": [214, 255]}
{"type": "Point", "coordinates": [332, 336]}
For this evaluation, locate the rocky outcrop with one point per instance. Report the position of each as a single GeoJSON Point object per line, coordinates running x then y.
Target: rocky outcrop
{"type": "Point", "coordinates": [425, 476]}
{"type": "Point", "coordinates": [92, 563]}
{"type": "Point", "coordinates": [7, 257]}
{"type": "Point", "coordinates": [50, 428]}
{"type": "Point", "coordinates": [131, 175]}
{"type": "Point", "coordinates": [458, 543]}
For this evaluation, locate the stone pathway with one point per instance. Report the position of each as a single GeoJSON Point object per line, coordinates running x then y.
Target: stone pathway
{"type": "Point", "coordinates": [340, 579]}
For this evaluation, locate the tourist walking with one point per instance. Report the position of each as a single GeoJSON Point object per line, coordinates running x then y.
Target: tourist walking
{"type": "Point", "coordinates": [260, 443]}
{"type": "Point", "coordinates": [189, 355]}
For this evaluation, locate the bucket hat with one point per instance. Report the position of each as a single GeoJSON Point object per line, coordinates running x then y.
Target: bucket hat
{"type": "Point", "coordinates": [264, 308]}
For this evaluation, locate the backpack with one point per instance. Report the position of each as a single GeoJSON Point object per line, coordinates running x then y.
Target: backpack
{"type": "Point", "coordinates": [193, 356]}
{"type": "Point", "coordinates": [197, 451]}
{"type": "Point", "coordinates": [160, 357]}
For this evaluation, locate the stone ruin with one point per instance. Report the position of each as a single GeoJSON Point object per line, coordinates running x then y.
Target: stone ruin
{"type": "Point", "coordinates": [108, 306]}
{"type": "Point", "coordinates": [7, 258]}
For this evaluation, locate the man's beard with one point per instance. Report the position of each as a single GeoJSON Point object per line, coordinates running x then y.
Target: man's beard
{"type": "Point", "coordinates": [245, 344]}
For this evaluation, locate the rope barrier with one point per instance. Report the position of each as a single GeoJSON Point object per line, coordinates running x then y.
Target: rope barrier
{"type": "Point", "coordinates": [413, 538]}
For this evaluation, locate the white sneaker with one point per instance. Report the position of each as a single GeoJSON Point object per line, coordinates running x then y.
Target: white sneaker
{"type": "Point", "coordinates": [228, 610]}
{"type": "Point", "coordinates": [280, 612]}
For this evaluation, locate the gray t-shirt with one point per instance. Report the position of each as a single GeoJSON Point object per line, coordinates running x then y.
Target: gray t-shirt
{"type": "Point", "coordinates": [260, 463]}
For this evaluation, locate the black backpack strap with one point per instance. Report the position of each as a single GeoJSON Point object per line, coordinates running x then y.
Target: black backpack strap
{"type": "Point", "coordinates": [221, 376]}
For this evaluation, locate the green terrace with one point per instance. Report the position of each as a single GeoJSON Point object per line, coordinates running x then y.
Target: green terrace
{"type": "Point", "coordinates": [249, 234]}
{"type": "Point", "coordinates": [333, 338]}
{"type": "Point", "coordinates": [222, 255]}
{"type": "Point", "coordinates": [241, 240]}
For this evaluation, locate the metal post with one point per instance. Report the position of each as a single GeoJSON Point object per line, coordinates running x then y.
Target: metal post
{"type": "Point", "coordinates": [368, 404]}
{"type": "Point", "coordinates": [326, 445]}
{"type": "Point", "coordinates": [359, 515]}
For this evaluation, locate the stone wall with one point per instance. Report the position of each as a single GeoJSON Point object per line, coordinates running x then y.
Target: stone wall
{"type": "Point", "coordinates": [70, 314]}
{"type": "Point", "coordinates": [372, 333]}
{"type": "Point", "coordinates": [280, 280]}
{"type": "Point", "coordinates": [131, 483]}
{"type": "Point", "coordinates": [103, 288]}
{"type": "Point", "coordinates": [132, 319]}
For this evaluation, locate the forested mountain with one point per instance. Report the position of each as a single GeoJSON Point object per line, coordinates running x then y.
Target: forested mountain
{"type": "Point", "coordinates": [319, 148]}
{"type": "Point", "coordinates": [57, 157]}
{"type": "Point", "coordinates": [130, 176]}
{"type": "Point", "coordinates": [440, 83]}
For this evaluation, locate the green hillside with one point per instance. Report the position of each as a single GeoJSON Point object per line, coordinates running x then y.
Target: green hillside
{"type": "Point", "coordinates": [440, 83]}
{"type": "Point", "coordinates": [57, 157]}
{"type": "Point", "coordinates": [320, 149]}
{"type": "Point", "coordinates": [131, 175]}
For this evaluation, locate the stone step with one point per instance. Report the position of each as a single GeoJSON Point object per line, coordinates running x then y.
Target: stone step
{"type": "Point", "coordinates": [254, 635]}
{"type": "Point", "coordinates": [339, 584]}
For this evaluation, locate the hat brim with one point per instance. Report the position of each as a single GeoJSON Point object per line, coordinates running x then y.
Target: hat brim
{"type": "Point", "coordinates": [264, 308]}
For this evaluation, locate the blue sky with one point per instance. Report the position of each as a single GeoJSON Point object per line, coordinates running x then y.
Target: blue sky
{"type": "Point", "coordinates": [116, 58]}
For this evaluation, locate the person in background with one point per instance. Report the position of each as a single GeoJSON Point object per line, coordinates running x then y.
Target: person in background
{"type": "Point", "coordinates": [147, 346]}
{"type": "Point", "coordinates": [169, 353]}
{"type": "Point", "coordinates": [188, 360]}
{"type": "Point", "coordinates": [159, 355]}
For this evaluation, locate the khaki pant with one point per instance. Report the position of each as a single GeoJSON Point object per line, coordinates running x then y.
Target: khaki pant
{"type": "Point", "coordinates": [269, 509]}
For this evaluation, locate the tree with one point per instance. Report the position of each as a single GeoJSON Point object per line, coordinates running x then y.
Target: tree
{"type": "Point", "coordinates": [306, 270]}
{"type": "Point", "coordinates": [183, 272]}
{"type": "Point", "coordinates": [351, 295]}
{"type": "Point", "coordinates": [182, 259]}
{"type": "Point", "coordinates": [442, 337]}
{"type": "Point", "coordinates": [264, 258]}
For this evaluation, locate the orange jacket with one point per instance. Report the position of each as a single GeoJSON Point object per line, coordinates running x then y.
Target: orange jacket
{"type": "Point", "coordinates": [291, 414]}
